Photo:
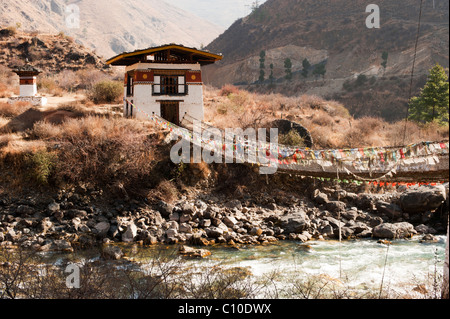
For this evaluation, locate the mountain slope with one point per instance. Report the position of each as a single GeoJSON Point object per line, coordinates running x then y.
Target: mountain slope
{"type": "Point", "coordinates": [112, 26]}
{"type": "Point", "coordinates": [333, 33]}
{"type": "Point", "coordinates": [50, 53]}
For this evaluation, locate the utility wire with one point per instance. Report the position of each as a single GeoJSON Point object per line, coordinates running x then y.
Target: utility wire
{"type": "Point", "coordinates": [412, 71]}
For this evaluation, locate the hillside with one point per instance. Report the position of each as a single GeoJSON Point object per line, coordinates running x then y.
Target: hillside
{"type": "Point", "coordinates": [334, 33]}
{"type": "Point", "coordinates": [112, 26]}
{"type": "Point", "coordinates": [51, 53]}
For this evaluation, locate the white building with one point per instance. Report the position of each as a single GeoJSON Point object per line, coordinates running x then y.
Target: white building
{"type": "Point", "coordinates": [165, 80]}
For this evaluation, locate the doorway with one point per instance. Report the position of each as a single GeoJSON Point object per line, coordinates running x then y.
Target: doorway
{"type": "Point", "coordinates": [170, 111]}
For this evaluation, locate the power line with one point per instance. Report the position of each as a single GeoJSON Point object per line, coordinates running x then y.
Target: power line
{"type": "Point", "coordinates": [412, 71]}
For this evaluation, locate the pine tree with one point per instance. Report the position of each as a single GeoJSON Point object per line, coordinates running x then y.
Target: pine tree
{"type": "Point", "coordinates": [320, 70]}
{"type": "Point", "coordinates": [262, 60]}
{"type": "Point", "coordinates": [288, 68]}
{"type": "Point", "coordinates": [433, 102]}
{"type": "Point", "coordinates": [271, 77]}
{"type": "Point", "coordinates": [385, 57]}
{"type": "Point", "coordinates": [306, 66]}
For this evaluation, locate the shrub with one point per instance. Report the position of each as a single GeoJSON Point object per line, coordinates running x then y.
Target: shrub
{"type": "Point", "coordinates": [44, 130]}
{"type": "Point", "coordinates": [4, 92]}
{"type": "Point", "coordinates": [87, 78]}
{"type": "Point", "coordinates": [12, 110]}
{"type": "Point", "coordinates": [291, 139]}
{"type": "Point", "coordinates": [49, 85]}
{"type": "Point", "coordinates": [41, 164]}
{"type": "Point", "coordinates": [102, 151]}
{"type": "Point", "coordinates": [228, 89]}
{"type": "Point", "coordinates": [106, 92]}
{"type": "Point", "coordinates": [68, 80]}
{"type": "Point", "coordinates": [8, 32]}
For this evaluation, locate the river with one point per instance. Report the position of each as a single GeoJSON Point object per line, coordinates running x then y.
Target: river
{"type": "Point", "coordinates": [402, 269]}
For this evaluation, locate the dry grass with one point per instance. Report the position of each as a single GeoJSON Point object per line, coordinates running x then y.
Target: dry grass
{"type": "Point", "coordinates": [86, 149]}
{"type": "Point", "coordinates": [329, 122]}
{"type": "Point", "coordinates": [12, 110]}
{"type": "Point", "coordinates": [3, 122]}
{"type": "Point", "coordinates": [229, 89]}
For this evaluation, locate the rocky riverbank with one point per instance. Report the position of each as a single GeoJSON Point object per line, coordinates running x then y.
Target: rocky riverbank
{"type": "Point", "coordinates": [81, 219]}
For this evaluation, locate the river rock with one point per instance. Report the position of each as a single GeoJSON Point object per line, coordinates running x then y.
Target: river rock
{"type": "Point", "coordinates": [53, 207]}
{"type": "Point", "coordinates": [319, 197]}
{"type": "Point", "coordinates": [390, 210]}
{"type": "Point", "coordinates": [193, 252]}
{"type": "Point", "coordinates": [214, 232]}
{"type": "Point", "coordinates": [102, 228]}
{"type": "Point", "coordinates": [350, 214]}
{"type": "Point", "coordinates": [188, 209]}
{"type": "Point", "coordinates": [45, 225]}
{"type": "Point", "coordinates": [366, 201]}
{"type": "Point", "coordinates": [112, 253]}
{"type": "Point", "coordinates": [428, 239]}
{"type": "Point", "coordinates": [11, 235]}
{"type": "Point", "coordinates": [24, 210]}
{"type": "Point", "coordinates": [185, 218]}
{"type": "Point", "coordinates": [335, 206]}
{"type": "Point", "coordinates": [173, 225]}
{"type": "Point", "coordinates": [165, 209]}
{"type": "Point", "coordinates": [72, 213]}
{"type": "Point", "coordinates": [175, 216]}
{"type": "Point", "coordinates": [205, 223]}
{"type": "Point", "coordinates": [425, 198]}
{"type": "Point", "coordinates": [130, 233]}
{"type": "Point", "coordinates": [234, 203]}
{"type": "Point", "coordinates": [185, 228]}
{"type": "Point", "coordinates": [201, 205]}
{"type": "Point", "coordinates": [326, 230]}
{"type": "Point", "coordinates": [394, 231]}
{"type": "Point", "coordinates": [424, 229]}
{"type": "Point", "coordinates": [256, 231]}
{"type": "Point", "coordinates": [230, 221]}
{"type": "Point", "coordinates": [172, 233]}
{"type": "Point", "coordinates": [57, 245]}
{"type": "Point", "coordinates": [295, 223]}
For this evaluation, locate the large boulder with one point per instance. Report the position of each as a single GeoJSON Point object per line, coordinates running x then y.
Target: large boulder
{"type": "Point", "coordinates": [394, 231]}
{"type": "Point", "coordinates": [422, 199]}
{"type": "Point", "coordinates": [295, 223]}
{"type": "Point", "coordinates": [390, 210]}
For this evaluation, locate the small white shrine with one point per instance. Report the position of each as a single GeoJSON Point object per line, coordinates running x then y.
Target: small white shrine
{"type": "Point", "coordinates": [28, 86]}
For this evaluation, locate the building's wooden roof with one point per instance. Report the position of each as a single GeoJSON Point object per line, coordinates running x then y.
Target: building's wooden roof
{"type": "Point", "coordinates": [171, 53]}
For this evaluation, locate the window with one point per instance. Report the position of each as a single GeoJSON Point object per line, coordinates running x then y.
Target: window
{"type": "Point", "coordinates": [169, 85]}
{"type": "Point", "coordinates": [130, 85]}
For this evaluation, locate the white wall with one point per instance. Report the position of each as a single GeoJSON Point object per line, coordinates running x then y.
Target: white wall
{"type": "Point", "coordinates": [28, 90]}
{"type": "Point", "coordinates": [146, 102]}
{"type": "Point", "coordinates": [192, 103]}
